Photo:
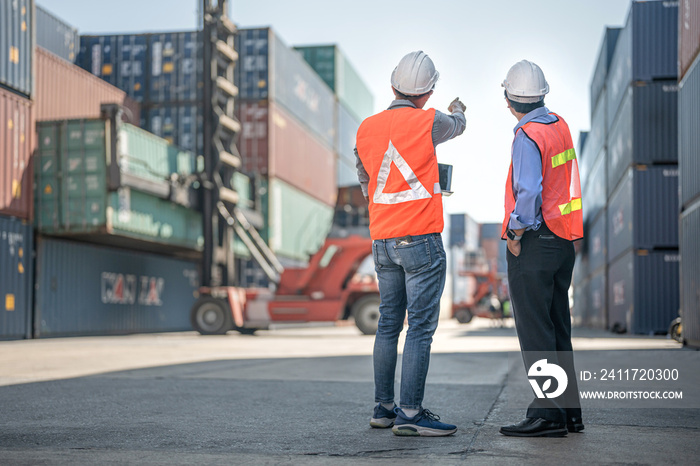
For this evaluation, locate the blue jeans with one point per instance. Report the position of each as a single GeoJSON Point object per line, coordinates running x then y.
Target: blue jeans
{"type": "Point", "coordinates": [411, 278]}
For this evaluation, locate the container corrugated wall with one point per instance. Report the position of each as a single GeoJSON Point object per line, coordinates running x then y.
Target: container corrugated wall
{"type": "Point", "coordinates": [65, 91]}
{"type": "Point", "coordinates": [253, 142]}
{"type": "Point", "coordinates": [581, 306]}
{"type": "Point", "coordinates": [646, 129]}
{"type": "Point", "coordinates": [594, 191]}
{"type": "Point", "coordinates": [16, 146]}
{"type": "Point", "coordinates": [598, 302]}
{"type": "Point", "coordinates": [347, 132]}
{"type": "Point", "coordinates": [179, 124]}
{"type": "Point", "coordinates": [176, 67]}
{"type": "Point", "coordinates": [16, 278]}
{"type": "Point", "coordinates": [84, 289]}
{"type": "Point", "coordinates": [17, 44]}
{"type": "Point", "coordinates": [647, 50]}
{"type": "Point", "coordinates": [605, 55]}
{"type": "Point", "coordinates": [689, 136]}
{"type": "Point", "coordinates": [690, 274]}
{"type": "Point", "coordinates": [643, 291]}
{"type": "Point", "coordinates": [643, 211]}
{"type": "Point", "coordinates": [688, 34]}
{"type": "Point", "coordinates": [56, 36]}
{"type": "Point", "coordinates": [596, 238]}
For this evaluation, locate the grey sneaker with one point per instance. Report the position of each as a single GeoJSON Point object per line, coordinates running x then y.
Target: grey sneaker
{"type": "Point", "coordinates": [424, 424]}
{"type": "Point", "coordinates": [382, 417]}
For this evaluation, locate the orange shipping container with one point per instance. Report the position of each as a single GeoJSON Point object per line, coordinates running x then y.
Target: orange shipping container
{"type": "Point", "coordinates": [64, 91]}
{"type": "Point", "coordinates": [16, 145]}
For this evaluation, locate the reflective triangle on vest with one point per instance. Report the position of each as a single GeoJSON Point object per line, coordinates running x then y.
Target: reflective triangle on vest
{"type": "Point", "coordinates": [417, 190]}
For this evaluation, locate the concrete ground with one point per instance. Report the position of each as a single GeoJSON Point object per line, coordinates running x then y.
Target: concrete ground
{"type": "Point", "coordinates": [304, 395]}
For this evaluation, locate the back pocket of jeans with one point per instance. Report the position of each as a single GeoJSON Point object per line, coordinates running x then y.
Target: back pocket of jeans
{"type": "Point", "coordinates": [415, 256]}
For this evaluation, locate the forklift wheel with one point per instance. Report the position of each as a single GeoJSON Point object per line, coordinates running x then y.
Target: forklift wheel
{"type": "Point", "coordinates": [366, 313]}
{"type": "Point", "coordinates": [675, 331]}
{"type": "Point", "coordinates": [211, 316]}
{"type": "Point", "coordinates": [464, 316]}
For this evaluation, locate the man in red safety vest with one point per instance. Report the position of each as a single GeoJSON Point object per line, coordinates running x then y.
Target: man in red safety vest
{"type": "Point", "coordinates": [543, 216]}
{"type": "Point", "coordinates": [398, 172]}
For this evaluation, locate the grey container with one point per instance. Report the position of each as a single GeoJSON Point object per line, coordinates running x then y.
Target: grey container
{"type": "Point", "coordinates": [689, 135]}
{"type": "Point", "coordinates": [16, 278]}
{"type": "Point", "coordinates": [596, 139]}
{"type": "Point", "coordinates": [605, 55]}
{"type": "Point", "coordinates": [595, 237]}
{"type": "Point", "coordinates": [597, 315]}
{"type": "Point", "coordinates": [643, 291]}
{"type": "Point", "coordinates": [581, 270]}
{"type": "Point", "coordinates": [17, 45]}
{"type": "Point", "coordinates": [690, 275]}
{"type": "Point", "coordinates": [268, 69]}
{"type": "Point", "coordinates": [646, 50]}
{"type": "Point", "coordinates": [56, 36]}
{"type": "Point", "coordinates": [646, 129]}
{"type": "Point", "coordinates": [643, 211]}
{"type": "Point", "coordinates": [83, 289]}
{"type": "Point", "coordinates": [347, 132]}
{"type": "Point", "coordinates": [581, 306]}
{"type": "Point", "coordinates": [594, 188]}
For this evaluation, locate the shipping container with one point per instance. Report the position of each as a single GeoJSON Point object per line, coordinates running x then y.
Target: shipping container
{"type": "Point", "coordinates": [464, 232]}
{"type": "Point", "coordinates": [179, 124]}
{"type": "Point", "coordinates": [17, 45]}
{"type": "Point", "coordinates": [297, 223]}
{"type": "Point", "coordinates": [595, 236]}
{"type": "Point", "coordinates": [689, 136]}
{"type": "Point", "coordinates": [83, 289]}
{"type": "Point", "coordinates": [646, 130]}
{"type": "Point", "coordinates": [596, 139]}
{"type": "Point", "coordinates": [597, 313]}
{"type": "Point", "coordinates": [605, 55]}
{"type": "Point", "coordinates": [121, 60]}
{"type": "Point", "coordinates": [351, 209]}
{"type": "Point", "coordinates": [581, 271]}
{"type": "Point", "coordinates": [16, 145]}
{"type": "Point", "coordinates": [690, 275]}
{"type": "Point", "coordinates": [643, 291]}
{"type": "Point", "coordinates": [347, 133]}
{"type": "Point", "coordinates": [643, 212]}
{"type": "Point", "coordinates": [73, 196]}
{"type": "Point", "coordinates": [274, 143]}
{"type": "Point", "coordinates": [176, 67]}
{"type": "Point", "coordinates": [16, 278]}
{"type": "Point", "coordinates": [688, 34]}
{"type": "Point", "coordinates": [646, 50]}
{"type": "Point", "coordinates": [66, 91]}
{"type": "Point", "coordinates": [336, 71]}
{"type": "Point", "coordinates": [56, 36]}
{"type": "Point", "coordinates": [594, 192]}
{"type": "Point", "coordinates": [580, 304]}
{"type": "Point", "coordinates": [269, 70]}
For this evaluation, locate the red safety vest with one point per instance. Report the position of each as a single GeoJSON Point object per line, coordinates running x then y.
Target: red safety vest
{"type": "Point", "coordinates": [561, 187]}
{"type": "Point", "coordinates": [396, 149]}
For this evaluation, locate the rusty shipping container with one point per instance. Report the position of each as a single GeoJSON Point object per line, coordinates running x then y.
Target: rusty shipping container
{"type": "Point", "coordinates": [690, 275]}
{"type": "Point", "coordinates": [274, 143]}
{"type": "Point", "coordinates": [16, 145]}
{"type": "Point", "coordinates": [688, 34]}
{"type": "Point", "coordinates": [65, 91]}
{"type": "Point", "coordinates": [16, 278]}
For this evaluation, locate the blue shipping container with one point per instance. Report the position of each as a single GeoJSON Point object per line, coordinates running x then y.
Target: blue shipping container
{"type": "Point", "coordinates": [16, 278]}
{"type": "Point", "coordinates": [17, 44]}
{"type": "Point", "coordinates": [83, 289]}
{"type": "Point", "coordinates": [605, 55]}
{"type": "Point", "coordinates": [56, 36]}
{"type": "Point", "coordinates": [176, 67]}
{"type": "Point", "coordinates": [179, 124]}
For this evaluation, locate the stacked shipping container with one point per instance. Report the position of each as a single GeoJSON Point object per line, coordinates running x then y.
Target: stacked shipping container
{"type": "Point", "coordinates": [630, 188]}
{"type": "Point", "coordinates": [689, 167]}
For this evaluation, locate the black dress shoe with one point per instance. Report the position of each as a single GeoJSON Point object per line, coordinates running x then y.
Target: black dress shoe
{"type": "Point", "coordinates": [535, 427]}
{"type": "Point", "coordinates": [574, 424]}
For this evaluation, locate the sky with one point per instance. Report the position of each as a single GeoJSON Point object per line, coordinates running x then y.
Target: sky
{"type": "Point", "coordinates": [472, 43]}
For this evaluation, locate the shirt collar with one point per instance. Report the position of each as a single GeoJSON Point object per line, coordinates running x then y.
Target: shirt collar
{"type": "Point", "coordinates": [398, 103]}
{"type": "Point", "coordinates": [538, 112]}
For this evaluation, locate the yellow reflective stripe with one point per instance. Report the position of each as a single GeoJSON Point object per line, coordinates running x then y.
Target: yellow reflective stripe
{"type": "Point", "coordinates": [569, 207]}
{"type": "Point", "coordinates": [561, 159]}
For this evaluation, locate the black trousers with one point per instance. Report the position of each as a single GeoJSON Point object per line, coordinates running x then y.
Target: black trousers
{"type": "Point", "coordinates": [539, 280]}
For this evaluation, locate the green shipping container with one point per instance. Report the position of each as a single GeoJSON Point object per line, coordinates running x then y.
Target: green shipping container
{"type": "Point", "coordinates": [297, 223]}
{"type": "Point", "coordinates": [335, 69]}
{"type": "Point", "coordinates": [72, 194]}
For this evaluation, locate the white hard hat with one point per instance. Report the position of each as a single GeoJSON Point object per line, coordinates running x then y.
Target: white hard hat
{"type": "Point", "coordinates": [525, 83]}
{"type": "Point", "coordinates": [415, 74]}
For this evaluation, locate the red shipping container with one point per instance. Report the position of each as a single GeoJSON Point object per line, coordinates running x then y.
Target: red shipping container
{"type": "Point", "coordinates": [688, 34]}
{"type": "Point", "coordinates": [66, 91]}
{"type": "Point", "coordinates": [16, 146]}
{"type": "Point", "coordinates": [274, 143]}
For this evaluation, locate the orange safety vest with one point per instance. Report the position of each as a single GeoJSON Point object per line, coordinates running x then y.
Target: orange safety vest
{"type": "Point", "coordinates": [396, 149]}
{"type": "Point", "coordinates": [561, 186]}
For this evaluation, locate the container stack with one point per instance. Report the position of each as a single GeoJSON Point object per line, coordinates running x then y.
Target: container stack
{"type": "Point", "coordinates": [16, 144]}
{"type": "Point", "coordinates": [464, 256]}
{"type": "Point", "coordinates": [288, 141]}
{"type": "Point", "coordinates": [630, 188]}
{"type": "Point", "coordinates": [689, 167]}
